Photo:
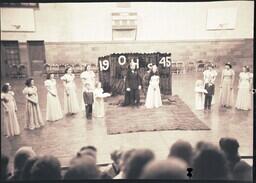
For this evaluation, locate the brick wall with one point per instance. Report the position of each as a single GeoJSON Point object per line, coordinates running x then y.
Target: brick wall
{"type": "Point", "coordinates": [238, 52]}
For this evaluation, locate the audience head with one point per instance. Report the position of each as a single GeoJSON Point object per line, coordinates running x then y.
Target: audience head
{"type": "Point", "coordinates": [172, 168]}
{"type": "Point", "coordinates": [4, 167]}
{"type": "Point", "coordinates": [230, 147]}
{"type": "Point", "coordinates": [21, 156]}
{"type": "Point", "coordinates": [5, 88]}
{"type": "Point", "coordinates": [88, 151]}
{"type": "Point", "coordinates": [116, 156]}
{"type": "Point", "coordinates": [29, 82]}
{"type": "Point", "coordinates": [183, 150]}
{"type": "Point", "coordinates": [125, 158]}
{"type": "Point", "coordinates": [210, 163]}
{"type": "Point", "coordinates": [85, 169]}
{"type": "Point", "coordinates": [242, 171]}
{"type": "Point", "coordinates": [46, 168]}
{"type": "Point", "coordinates": [139, 159]}
{"type": "Point", "coordinates": [26, 171]}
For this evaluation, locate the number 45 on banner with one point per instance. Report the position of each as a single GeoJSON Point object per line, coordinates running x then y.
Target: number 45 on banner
{"type": "Point", "coordinates": [165, 61]}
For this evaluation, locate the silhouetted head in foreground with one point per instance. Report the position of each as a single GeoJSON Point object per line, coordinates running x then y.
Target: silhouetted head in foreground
{"type": "Point", "coordinates": [172, 168]}
{"type": "Point", "coordinates": [210, 163]}
{"type": "Point", "coordinates": [242, 172]}
{"type": "Point", "coordinates": [46, 168]}
{"type": "Point", "coordinates": [86, 169]}
{"type": "Point", "coordinates": [183, 150]}
{"type": "Point", "coordinates": [139, 159]}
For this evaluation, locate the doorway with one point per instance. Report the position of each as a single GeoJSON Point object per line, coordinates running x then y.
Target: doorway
{"type": "Point", "coordinates": [36, 51]}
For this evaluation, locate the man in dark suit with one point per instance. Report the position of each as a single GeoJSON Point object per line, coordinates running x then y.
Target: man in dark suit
{"type": "Point", "coordinates": [209, 87]}
{"type": "Point", "coordinates": [133, 86]}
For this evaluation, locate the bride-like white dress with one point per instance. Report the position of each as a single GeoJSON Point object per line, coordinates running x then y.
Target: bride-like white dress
{"type": "Point", "coordinates": [153, 98]}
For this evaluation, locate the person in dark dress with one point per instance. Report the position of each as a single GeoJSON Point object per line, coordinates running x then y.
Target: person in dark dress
{"type": "Point", "coordinates": [209, 87]}
{"type": "Point", "coordinates": [88, 100]}
{"type": "Point", "coordinates": [133, 86]}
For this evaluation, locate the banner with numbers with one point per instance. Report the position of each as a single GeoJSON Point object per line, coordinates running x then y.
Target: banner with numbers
{"type": "Point", "coordinates": [113, 69]}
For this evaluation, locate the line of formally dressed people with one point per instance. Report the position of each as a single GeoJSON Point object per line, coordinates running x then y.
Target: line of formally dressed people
{"type": "Point", "coordinates": [205, 89]}
{"type": "Point", "coordinates": [92, 99]}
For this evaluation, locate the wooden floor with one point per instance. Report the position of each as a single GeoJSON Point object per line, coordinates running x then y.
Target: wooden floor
{"type": "Point", "coordinates": [65, 137]}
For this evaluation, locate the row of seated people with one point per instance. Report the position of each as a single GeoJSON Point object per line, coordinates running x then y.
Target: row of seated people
{"type": "Point", "coordinates": [17, 71]}
{"type": "Point", "coordinates": [208, 162]}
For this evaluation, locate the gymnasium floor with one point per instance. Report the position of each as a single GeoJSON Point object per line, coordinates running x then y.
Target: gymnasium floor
{"type": "Point", "coordinates": [65, 137]}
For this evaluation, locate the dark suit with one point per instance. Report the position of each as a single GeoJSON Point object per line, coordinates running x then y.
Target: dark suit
{"type": "Point", "coordinates": [208, 96]}
{"type": "Point", "coordinates": [88, 100]}
{"type": "Point", "coordinates": [133, 81]}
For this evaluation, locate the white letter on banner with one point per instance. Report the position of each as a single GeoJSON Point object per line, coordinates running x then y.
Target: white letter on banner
{"type": "Point", "coordinates": [104, 65]}
{"type": "Point", "coordinates": [137, 63]}
{"type": "Point", "coordinates": [150, 65]}
{"type": "Point", "coordinates": [120, 60]}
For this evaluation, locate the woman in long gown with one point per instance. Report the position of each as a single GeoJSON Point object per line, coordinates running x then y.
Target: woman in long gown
{"type": "Point", "coordinates": [226, 87]}
{"type": "Point", "coordinates": [53, 107]}
{"type": "Point", "coordinates": [71, 105]}
{"type": "Point", "coordinates": [33, 115]}
{"type": "Point", "coordinates": [243, 101]}
{"type": "Point", "coordinates": [209, 76]}
{"type": "Point", "coordinates": [153, 98]}
{"type": "Point", "coordinates": [87, 76]}
{"type": "Point", "coordinates": [11, 124]}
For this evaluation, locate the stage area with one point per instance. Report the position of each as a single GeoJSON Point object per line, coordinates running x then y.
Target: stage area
{"type": "Point", "coordinates": [65, 137]}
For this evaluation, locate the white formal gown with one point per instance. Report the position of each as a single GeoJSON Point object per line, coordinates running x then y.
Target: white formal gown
{"type": "Point", "coordinates": [153, 98]}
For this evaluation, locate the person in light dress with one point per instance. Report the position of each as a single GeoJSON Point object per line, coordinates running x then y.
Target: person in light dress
{"type": "Point", "coordinates": [53, 107]}
{"type": "Point", "coordinates": [199, 96]}
{"type": "Point", "coordinates": [226, 87]}
{"type": "Point", "coordinates": [71, 105]}
{"type": "Point", "coordinates": [153, 98]}
{"type": "Point", "coordinates": [33, 112]}
{"type": "Point", "coordinates": [11, 124]}
{"type": "Point", "coordinates": [244, 95]}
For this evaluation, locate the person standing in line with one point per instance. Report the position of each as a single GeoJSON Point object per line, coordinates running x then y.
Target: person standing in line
{"type": "Point", "coordinates": [53, 107]}
{"type": "Point", "coordinates": [153, 98]}
{"type": "Point", "coordinates": [209, 87]}
{"type": "Point", "coordinates": [33, 115]}
{"type": "Point", "coordinates": [226, 87]}
{"type": "Point", "coordinates": [87, 76]}
{"type": "Point", "coordinates": [88, 100]}
{"type": "Point", "coordinates": [243, 101]}
{"type": "Point", "coordinates": [71, 105]}
{"type": "Point", "coordinates": [11, 124]}
{"type": "Point", "coordinates": [210, 76]}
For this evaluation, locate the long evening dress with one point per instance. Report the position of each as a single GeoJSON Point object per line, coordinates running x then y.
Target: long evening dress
{"type": "Point", "coordinates": [153, 98]}
{"type": "Point", "coordinates": [53, 107]}
{"type": "Point", "coordinates": [11, 124]}
{"type": "Point", "coordinates": [70, 97]}
{"type": "Point", "coordinates": [226, 91]}
{"type": "Point", "coordinates": [244, 96]}
{"type": "Point", "coordinates": [199, 98]}
{"type": "Point", "coordinates": [33, 115]}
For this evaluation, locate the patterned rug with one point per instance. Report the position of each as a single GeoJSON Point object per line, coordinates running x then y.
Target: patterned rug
{"type": "Point", "coordinates": [173, 115]}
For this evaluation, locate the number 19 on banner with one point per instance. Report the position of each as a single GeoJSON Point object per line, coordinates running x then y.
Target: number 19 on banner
{"type": "Point", "coordinates": [104, 65]}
